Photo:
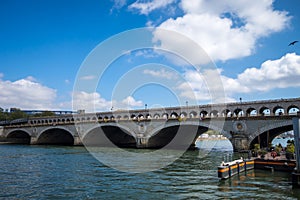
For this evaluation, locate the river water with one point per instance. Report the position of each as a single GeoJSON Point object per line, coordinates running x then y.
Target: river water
{"type": "Point", "coordinates": [58, 172]}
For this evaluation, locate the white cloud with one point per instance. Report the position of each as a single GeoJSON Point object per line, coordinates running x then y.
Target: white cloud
{"type": "Point", "coordinates": [130, 102]}
{"type": "Point", "coordinates": [93, 102]}
{"type": "Point", "coordinates": [119, 3]}
{"type": "Point", "coordinates": [225, 29]}
{"type": "Point", "coordinates": [147, 7]}
{"type": "Point", "coordinates": [146, 53]}
{"type": "Point", "coordinates": [26, 94]}
{"type": "Point", "coordinates": [162, 73]}
{"type": "Point", "coordinates": [31, 78]}
{"type": "Point", "coordinates": [280, 73]}
{"type": "Point", "coordinates": [90, 102]}
{"type": "Point", "coordinates": [88, 77]}
{"type": "Point", "coordinates": [205, 87]}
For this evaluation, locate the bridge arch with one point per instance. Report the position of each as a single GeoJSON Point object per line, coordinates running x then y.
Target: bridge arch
{"type": "Point", "coordinates": [140, 116]}
{"type": "Point", "coordinates": [18, 137]}
{"type": "Point", "coordinates": [133, 116]}
{"type": "Point", "coordinates": [264, 110]}
{"type": "Point", "coordinates": [214, 113]}
{"type": "Point", "coordinates": [278, 110]}
{"type": "Point", "coordinates": [100, 118]}
{"type": "Point", "coordinates": [203, 113]}
{"type": "Point", "coordinates": [193, 114]}
{"type": "Point", "coordinates": [106, 134]}
{"type": "Point", "coordinates": [105, 118]}
{"type": "Point", "coordinates": [189, 132]}
{"type": "Point", "coordinates": [267, 133]}
{"type": "Point", "coordinates": [55, 136]}
{"type": "Point", "coordinates": [183, 114]}
{"type": "Point", "coordinates": [162, 135]}
{"type": "Point", "coordinates": [226, 113]}
{"type": "Point", "coordinates": [148, 116]}
{"type": "Point", "coordinates": [292, 110]}
{"type": "Point", "coordinates": [238, 112]}
{"type": "Point", "coordinates": [174, 115]}
{"type": "Point", "coordinates": [165, 116]}
{"type": "Point", "coordinates": [251, 112]}
{"type": "Point", "coordinates": [156, 116]}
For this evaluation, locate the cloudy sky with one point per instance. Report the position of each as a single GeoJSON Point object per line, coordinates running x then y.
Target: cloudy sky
{"type": "Point", "coordinates": [44, 45]}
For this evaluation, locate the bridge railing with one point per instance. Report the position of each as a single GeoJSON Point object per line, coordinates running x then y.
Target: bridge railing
{"type": "Point", "coordinates": [56, 122]}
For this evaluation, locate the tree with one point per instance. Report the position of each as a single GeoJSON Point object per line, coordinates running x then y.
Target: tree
{"type": "Point", "coordinates": [17, 114]}
{"type": "Point", "coordinates": [290, 150]}
{"type": "Point", "coordinates": [3, 116]}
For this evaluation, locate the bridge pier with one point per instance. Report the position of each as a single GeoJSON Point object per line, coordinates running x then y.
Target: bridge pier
{"type": "Point", "coordinates": [33, 140]}
{"type": "Point", "coordinates": [296, 173]}
{"type": "Point", "coordinates": [77, 141]}
{"type": "Point", "coordinates": [240, 143]}
{"type": "Point", "coordinates": [141, 141]}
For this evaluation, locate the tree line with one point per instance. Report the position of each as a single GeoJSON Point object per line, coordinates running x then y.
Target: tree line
{"type": "Point", "coordinates": [18, 114]}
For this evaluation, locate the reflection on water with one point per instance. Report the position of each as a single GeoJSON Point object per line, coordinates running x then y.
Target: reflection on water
{"type": "Point", "coordinates": [49, 172]}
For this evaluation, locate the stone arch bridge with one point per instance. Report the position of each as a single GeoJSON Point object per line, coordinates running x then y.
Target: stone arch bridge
{"type": "Point", "coordinates": [243, 123]}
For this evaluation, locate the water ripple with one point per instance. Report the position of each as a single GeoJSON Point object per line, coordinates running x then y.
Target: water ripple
{"type": "Point", "coordinates": [45, 172]}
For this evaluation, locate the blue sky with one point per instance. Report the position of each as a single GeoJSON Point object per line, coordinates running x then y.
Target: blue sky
{"type": "Point", "coordinates": [44, 43]}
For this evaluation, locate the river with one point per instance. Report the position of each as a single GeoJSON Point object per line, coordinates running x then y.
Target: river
{"type": "Point", "coordinates": [59, 172]}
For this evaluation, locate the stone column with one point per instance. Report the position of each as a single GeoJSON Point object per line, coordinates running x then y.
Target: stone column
{"type": "Point", "coordinates": [240, 143]}
{"type": "Point", "coordinates": [141, 141]}
{"type": "Point", "coordinates": [33, 140]}
{"type": "Point", "coordinates": [296, 173]}
{"type": "Point", "coordinates": [77, 141]}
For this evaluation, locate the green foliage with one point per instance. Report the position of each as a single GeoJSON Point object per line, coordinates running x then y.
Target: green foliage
{"type": "Point", "coordinates": [290, 148]}
{"type": "Point", "coordinates": [256, 147]}
{"type": "Point", "coordinates": [278, 149]}
{"type": "Point", "coordinates": [17, 114]}
{"type": "Point", "coordinates": [212, 132]}
{"type": "Point", "coordinates": [181, 119]}
{"type": "Point", "coordinates": [262, 152]}
{"type": "Point", "coordinates": [9, 116]}
{"type": "Point", "coordinates": [3, 116]}
{"type": "Point", "coordinates": [256, 150]}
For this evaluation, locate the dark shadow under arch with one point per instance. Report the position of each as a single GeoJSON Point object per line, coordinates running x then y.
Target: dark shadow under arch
{"type": "Point", "coordinates": [187, 137]}
{"type": "Point", "coordinates": [56, 136]}
{"type": "Point", "coordinates": [107, 135]}
{"type": "Point", "coordinates": [18, 137]}
{"type": "Point", "coordinates": [263, 140]}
